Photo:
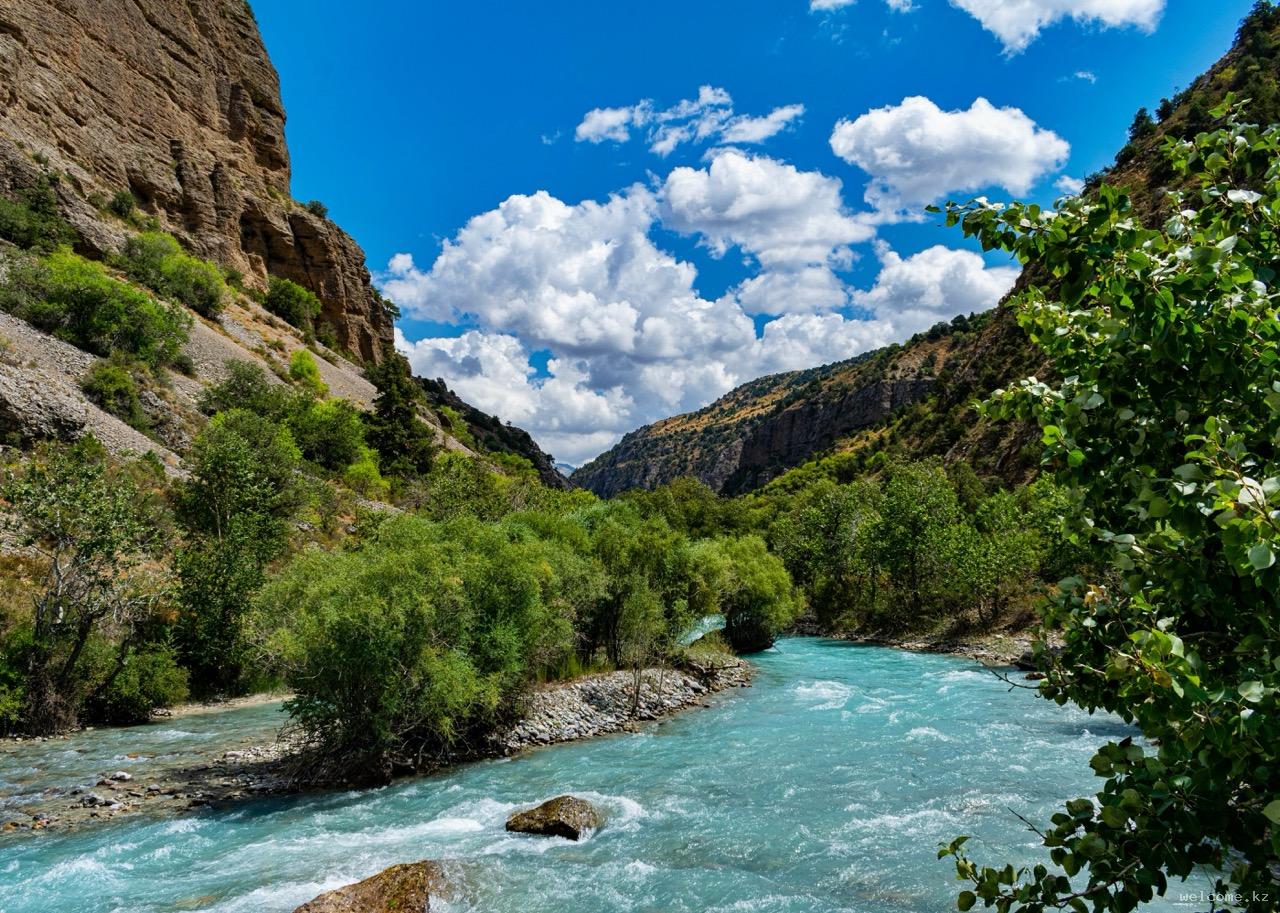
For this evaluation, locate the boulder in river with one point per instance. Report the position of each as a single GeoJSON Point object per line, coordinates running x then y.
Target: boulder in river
{"type": "Point", "coordinates": [399, 889]}
{"type": "Point", "coordinates": [563, 816]}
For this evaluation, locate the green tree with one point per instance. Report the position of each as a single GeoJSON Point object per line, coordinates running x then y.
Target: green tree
{"type": "Point", "coordinates": [917, 510]}
{"type": "Point", "coordinates": [293, 303]}
{"type": "Point", "coordinates": [1165, 425]}
{"type": "Point", "coordinates": [330, 433]}
{"type": "Point", "coordinates": [750, 587]}
{"type": "Point", "coordinates": [90, 529]}
{"type": "Point", "coordinates": [405, 444]}
{"type": "Point", "coordinates": [240, 490]}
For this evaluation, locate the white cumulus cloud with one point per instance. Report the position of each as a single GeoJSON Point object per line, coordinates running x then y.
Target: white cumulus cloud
{"type": "Point", "coordinates": [938, 283]}
{"type": "Point", "coordinates": [707, 118]}
{"type": "Point", "coordinates": [1068, 185]}
{"type": "Point", "coordinates": [630, 337]}
{"type": "Point", "coordinates": [821, 6]}
{"type": "Point", "coordinates": [915, 152]}
{"type": "Point", "coordinates": [1017, 22]}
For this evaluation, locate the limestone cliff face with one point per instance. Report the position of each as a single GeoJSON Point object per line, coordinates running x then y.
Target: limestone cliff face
{"type": "Point", "coordinates": [177, 102]}
{"type": "Point", "coordinates": [765, 427]}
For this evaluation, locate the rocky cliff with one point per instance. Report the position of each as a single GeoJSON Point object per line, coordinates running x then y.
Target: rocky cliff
{"type": "Point", "coordinates": [765, 427]}
{"type": "Point", "coordinates": [175, 102]}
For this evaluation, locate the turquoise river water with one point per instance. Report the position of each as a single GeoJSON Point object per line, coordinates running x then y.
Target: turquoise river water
{"type": "Point", "coordinates": [825, 787]}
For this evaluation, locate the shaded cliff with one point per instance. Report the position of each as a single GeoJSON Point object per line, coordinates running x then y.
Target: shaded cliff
{"type": "Point", "coordinates": [176, 104]}
{"type": "Point", "coordinates": [769, 425]}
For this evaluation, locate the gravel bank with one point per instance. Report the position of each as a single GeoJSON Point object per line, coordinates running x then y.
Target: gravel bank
{"type": "Point", "coordinates": [559, 712]}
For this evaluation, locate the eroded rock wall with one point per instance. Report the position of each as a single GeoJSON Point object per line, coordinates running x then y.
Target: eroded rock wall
{"type": "Point", "coordinates": [177, 102]}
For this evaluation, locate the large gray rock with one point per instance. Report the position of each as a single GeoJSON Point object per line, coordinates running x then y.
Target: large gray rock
{"type": "Point", "coordinates": [563, 816]}
{"type": "Point", "coordinates": [404, 888]}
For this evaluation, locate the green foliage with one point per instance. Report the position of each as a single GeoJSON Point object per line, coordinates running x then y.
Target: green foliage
{"type": "Point", "coordinates": [247, 386]}
{"type": "Point", "coordinates": [94, 537]}
{"type": "Point", "coordinates": [399, 648]}
{"type": "Point", "coordinates": [110, 383]}
{"type": "Point", "coordinates": [405, 444]}
{"type": "Point", "coordinates": [364, 478]}
{"type": "Point", "coordinates": [78, 301]}
{"type": "Point", "coordinates": [459, 485]}
{"type": "Point", "coordinates": [123, 204]}
{"type": "Point", "coordinates": [317, 208]}
{"type": "Point", "coordinates": [157, 261]}
{"type": "Point", "coordinates": [292, 303]}
{"type": "Point", "coordinates": [923, 546]}
{"type": "Point", "coordinates": [304, 371]}
{"type": "Point", "coordinates": [690, 506]}
{"type": "Point", "coordinates": [241, 487]}
{"type": "Point", "coordinates": [458, 427]}
{"type": "Point", "coordinates": [31, 220]}
{"type": "Point", "coordinates": [750, 586]}
{"type": "Point", "coordinates": [1165, 426]}
{"type": "Point", "coordinates": [145, 680]}
{"type": "Point", "coordinates": [330, 433]}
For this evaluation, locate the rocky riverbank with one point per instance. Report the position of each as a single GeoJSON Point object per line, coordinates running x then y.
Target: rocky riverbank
{"type": "Point", "coordinates": [1006, 648]}
{"type": "Point", "coordinates": [244, 770]}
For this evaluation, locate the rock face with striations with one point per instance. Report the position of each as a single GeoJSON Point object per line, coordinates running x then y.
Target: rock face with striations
{"type": "Point", "coordinates": [765, 427]}
{"type": "Point", "coordinates": [177, 103]}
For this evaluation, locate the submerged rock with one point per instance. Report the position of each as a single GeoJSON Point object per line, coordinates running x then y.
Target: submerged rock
{"type": "Point", "coordinates": [563, 816]}
{"type": "Point", "coordinates": [399, 889]}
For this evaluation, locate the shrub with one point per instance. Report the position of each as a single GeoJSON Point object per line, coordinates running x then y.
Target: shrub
{"type": "Point", "coordinates": [148, 679]}
{"type": "Point", "coordinates": [78, 301]}
{"type": "Point", "coordinates": [363, 477]}
{"type": "Point", "coordinates": [306, 373]}
{"type": "Point", "coordinates": [123, 204]}
{"type": "Point", "coordinates": [247, 386]}
{"type": "Point", "coordinates": [316, 208]}
{"type": "Point", "coordinates": [750, 587]}
{"type": "Point", "coordinates": [292, 303]}
{"type": "Point", "coordinates": [32, 220]}
{"type": "Point", "coordinates": [398, 648]}
{"type": "Point", "coordinates": [157, 261]}
{"type": "Point", "coordinates": [329, 433]}
{"type": "Point", "coordinates": [110, 383]}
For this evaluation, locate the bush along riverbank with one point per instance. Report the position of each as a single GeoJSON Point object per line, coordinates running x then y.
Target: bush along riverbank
{"type": "Point", "coordinates": [246, 768]}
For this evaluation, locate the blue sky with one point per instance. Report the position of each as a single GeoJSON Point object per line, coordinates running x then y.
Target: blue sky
{"type": "Point", "coordinates": [592, 285]}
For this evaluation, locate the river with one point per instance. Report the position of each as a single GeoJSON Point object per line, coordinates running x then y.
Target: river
{"type": "Point", "coordinates": [824, 787]}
